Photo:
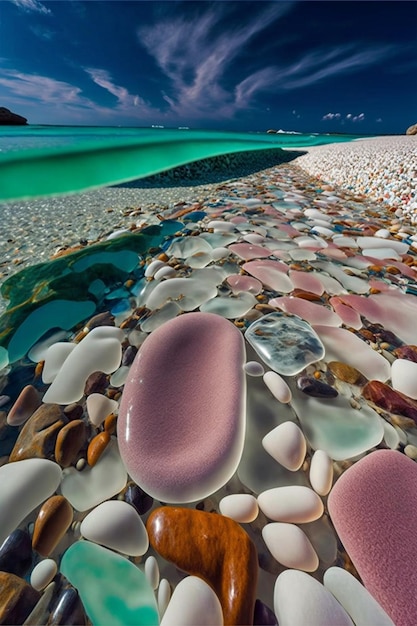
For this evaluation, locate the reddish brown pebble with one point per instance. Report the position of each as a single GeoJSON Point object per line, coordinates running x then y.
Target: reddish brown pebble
{"type": "Point", "coordinates": [213, 547]}
{"type": "Point", "coordinates": [26, 404]}
{"type": "Point", "coordinates": [17, 599]}
{"type": "Point", "coordinates": [386, 398]}
{"type": "Point", "coordinates": [96, 383]}
{"type": "Point", "coordinates": [73, 411]}
{"type": "Point", "coordinates": [102, 319]}
{"type": "Point", "coordinates": [69, 442]}
{"type": "Point", "coordinates": [96, 447]}
{"type": "Point", "coordinates": [406, 352]}
{"type": "Point", "coordinates": [38, 436]}
{"type": "Point", "coordinates": [53, 521]}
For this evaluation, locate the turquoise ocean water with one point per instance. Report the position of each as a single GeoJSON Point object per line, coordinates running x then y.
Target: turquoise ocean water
{"type": "Point", "coordinates": [44, 160]}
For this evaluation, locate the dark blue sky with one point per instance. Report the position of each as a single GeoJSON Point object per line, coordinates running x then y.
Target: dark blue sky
{"type": "Point", "coordinates": [326, 66]}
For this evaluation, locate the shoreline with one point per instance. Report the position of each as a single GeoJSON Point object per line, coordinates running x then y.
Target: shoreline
{"type": "Point", "coordinates": [33, 231]}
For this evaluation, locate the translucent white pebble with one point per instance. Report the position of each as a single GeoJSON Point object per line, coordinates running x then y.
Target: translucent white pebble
{"type": "Point", "coordinates": [242, 507]}
{"type": "Point", "coordinates": [23, 486]}
{"type": "Point", "coordinates": [99, 407]}
{"type": "Point", "coordinates": [295, 503]}
{"type": "Point", "coordinates": [43, 573]}
{"type": "Point", "coordinates": [55, 357]}
{"type": "Point", "coordinates": [321, 472]}
{"type": "Point", "coordinates": [38, 352]}
{"type": "Point", "coordinates": [391, 435]}
{"type": "Point", "coordinates": [117, 525]}
{"type": "Point", "coordinates": [301, 600]}
{"type": "Point", "coordinates": [290, 546]}
{"type": "Point", "coordinates": [382, 232]}
{"type": "Point", "coordinates": [100, 350]}
{"type": "Point", "coordinates": [153, 267]}
{"type": "Point", "coordinates": [404, 377]}
{"type": "Point", "coordinates": [93, 485]}
{"type": "Point", "coordinates": [165, 272]}
{"type": "Point", "coordinates": [278, 387]}
{"type": "Point", "coordinates": [287, 445]}
{"type": "Point", "coordinates": [164, 595]}
{"type": "Point", "coordinates": [118, 378]}
{"type": "Point", "coordinates": [254, 368]}
{"type": "Point", "coordinates": [355, 598]}
{"type": "Point", "coordinates": [152, 571]}
{"type": "Point", "coordinates": [220, 253]}
{"type": "Point", "coordinates": [193, 603]}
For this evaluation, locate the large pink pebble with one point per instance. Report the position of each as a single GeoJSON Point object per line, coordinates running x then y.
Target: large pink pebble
{"type": "Point", "coordinates": [182, 416]}
{"type": "Point", "coordinates": [373, 506]}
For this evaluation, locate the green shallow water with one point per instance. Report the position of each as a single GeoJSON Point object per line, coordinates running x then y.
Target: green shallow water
{"type": "Point", "coordinates": [41, 161]}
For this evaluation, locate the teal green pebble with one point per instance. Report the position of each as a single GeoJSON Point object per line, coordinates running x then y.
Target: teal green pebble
{"type": "Point", "coordinates": [112, 589]}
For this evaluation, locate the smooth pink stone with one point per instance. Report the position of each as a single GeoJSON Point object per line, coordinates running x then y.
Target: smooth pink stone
{"type": "Point", "coordinates": [349, 316]}
{"type": "Point", "coordinates": [248, 251]}
{"type": "Point", "coordinates": [181, 420]}
{"type": "Point", "coordinates": [289, 230]}
{"type": "Point", "coordinates": [395, 310]}
{"type": "Point", "coordinates": [306, 281]}
{"type": "Point", "coordinates": [308, 311]}
{"type": "Point", "coordinates": [239, 282]}
{"type": "Point", "coordinates": [271, 273]}
{"type": "Point", "coordinates": [373, 507]}
{"type": "Point", "coordinates": [334, 253]}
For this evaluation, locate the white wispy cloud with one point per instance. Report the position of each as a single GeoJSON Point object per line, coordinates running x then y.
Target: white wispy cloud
{"type": "Point", "coordinates": [348, 117]}
{"type": "Point", "coordinates": [126, 102]}
{"type": "Point", "coordinates": [32, 5]}
{"type": "Point", "coordinates": [197, 54]}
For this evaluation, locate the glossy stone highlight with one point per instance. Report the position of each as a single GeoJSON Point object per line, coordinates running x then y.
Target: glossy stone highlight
{"type": "Point", "coordinates": [285, 342]}
{"type": "Point", "coordinates": [197, 361]}
{"type": "Point", "coordinates": [216, 549]}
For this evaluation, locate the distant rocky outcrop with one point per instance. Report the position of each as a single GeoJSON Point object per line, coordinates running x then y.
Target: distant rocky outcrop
{"type": "Point", "coordinates": [412, 130]}
{"type": "Point", "coordinates": [7, 118]}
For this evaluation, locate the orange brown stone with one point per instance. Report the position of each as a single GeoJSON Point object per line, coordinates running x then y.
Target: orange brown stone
{"type": "Point", "coordinates": [17, 599]}
{"type": "Point", "coordinates": [213, 547]}
{"type": "Point", "coordinates": [53, 521]}
{"type": "Point", "coordinates": [97, 446]}
{"type": "Point", "coordinates": [69, 442]}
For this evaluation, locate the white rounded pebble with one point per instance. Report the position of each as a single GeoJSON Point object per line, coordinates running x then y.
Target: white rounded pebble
{"type": "Point", "coordinates": [404, 377]}
{"type": "Point", "coordinates": [301, 600]}
{"type": "Point", "coordinates": [23, 486]}
{"type": "Point", "coordinates": [355, 598]}
{"type": "Point", "coordinates": [99, 407]}
{"type": "Point", "coordinates": [164, 596]}
{"type": "Point", "coordinates": [165, 272]}
{"type": "Point", "coordinates": [220, 253]}
{"type": "Point", "coordinates": [321, 472]}
{"type": "Point", "coordinates": [287, 445]}
{"type": "Point", "coordinates": [43, 573]}
{"type": "Point", "coordinates": [117, 525]}
{"type": "Point", "coordinates": [152, 572]}
{"type": "Point", "coordinates": [254, 368]}
{"type": "Point", "coordinates": [290, 546]}
{"type": "Point", "coordinates": [295, 504]}
{"type": "Point", "coordinates": [193, 603]}
{"type": "Point", "coordinates": [55, 357]}
{"type": "Point", "coordinates": [153, 267]}
{"type": "Point", "coordinates": [278, 387]}
{"type": "Point", "coordinates": [391, 435]}
{"type": "Point", "coordinates": [242, 507]}
{"type": "Point", "coordinates": [118, 378]}
{"type": "Point", "coordinates": [382, 232]}
{"type": "Point", "coordinates": [100, 350]}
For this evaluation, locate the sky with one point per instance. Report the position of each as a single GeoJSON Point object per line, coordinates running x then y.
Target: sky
{"type": "Point", "coordinates": [245, 65]}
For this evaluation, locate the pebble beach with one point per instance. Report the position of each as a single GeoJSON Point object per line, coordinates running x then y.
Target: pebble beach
{"type": "Point", "coordinates": [208, 403]}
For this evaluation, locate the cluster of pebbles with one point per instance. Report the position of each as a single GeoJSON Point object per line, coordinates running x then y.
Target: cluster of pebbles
{"type": "Point", "coordinates": [220, 428]}
{"type": "Point", "coordinates": [383, 169]}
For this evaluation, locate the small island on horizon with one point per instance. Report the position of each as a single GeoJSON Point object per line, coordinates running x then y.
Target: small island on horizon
{"type": "Point", "coordinates": [8, 118]}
